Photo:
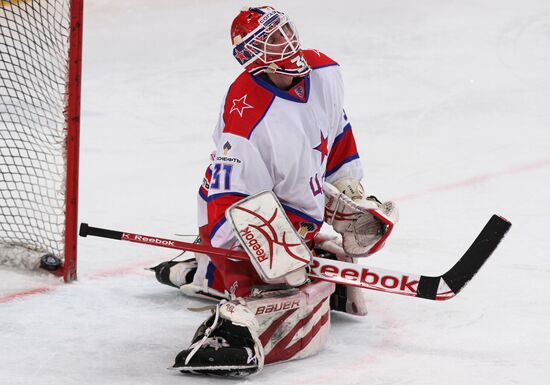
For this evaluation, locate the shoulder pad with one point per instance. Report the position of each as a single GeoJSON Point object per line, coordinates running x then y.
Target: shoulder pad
{"type": "Point", "coordinates": [245, 106]}
{"type": "Point", "coordinates": [316, 59]}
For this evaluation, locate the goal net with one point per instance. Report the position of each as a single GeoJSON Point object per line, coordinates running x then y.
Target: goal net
{"type": "Point", "coordinates": [40, 51]}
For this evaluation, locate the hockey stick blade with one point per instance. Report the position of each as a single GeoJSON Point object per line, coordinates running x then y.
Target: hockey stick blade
{"type": "Point", "coordinates": [449, 284]}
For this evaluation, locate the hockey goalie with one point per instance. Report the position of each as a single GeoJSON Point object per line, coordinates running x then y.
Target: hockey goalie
{"type": "Point", "coordinates": [285, 163]}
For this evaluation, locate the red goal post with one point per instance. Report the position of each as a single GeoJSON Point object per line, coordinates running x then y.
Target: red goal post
{"type": "Point", "coordinates": [40, 73]}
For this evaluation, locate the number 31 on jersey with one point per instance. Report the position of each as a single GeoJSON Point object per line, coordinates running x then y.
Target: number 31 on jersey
{"type": "Point", "coordinates": [221, 176]}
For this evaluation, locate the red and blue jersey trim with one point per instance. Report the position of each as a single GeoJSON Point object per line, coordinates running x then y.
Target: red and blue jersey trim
{"type": "Point", "coordinates": [299, 215]}
{"type": "Point", "coordinates": [216, 206]}
{"type": "Point", "coordinates": [205, 186]}
{"type": "Point", "coordinates": [332, 170]}
{"type": "Point", "coordinates": [246, 104]}
{"type": "Point", "coordinates": [343, 150]}
{"type": "Point", "coordinates": [288, 95]}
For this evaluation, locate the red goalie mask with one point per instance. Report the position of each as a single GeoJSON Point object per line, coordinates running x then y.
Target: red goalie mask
{"type": "Point", "coordinates": [265, 40]}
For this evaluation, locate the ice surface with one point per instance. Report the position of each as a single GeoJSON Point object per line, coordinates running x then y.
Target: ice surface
{"type": "Point", "coordinates": [450, 103]}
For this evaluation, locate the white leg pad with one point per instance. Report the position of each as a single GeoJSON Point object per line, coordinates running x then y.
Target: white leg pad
{"type": "Point", "coordinates": [284, 325]}
{"type": "Point", "coordinates": [293, 323]}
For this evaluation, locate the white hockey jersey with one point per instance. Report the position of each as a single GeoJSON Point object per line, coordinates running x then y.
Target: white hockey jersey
{"type": "Point", "coordinates": [284, 141]}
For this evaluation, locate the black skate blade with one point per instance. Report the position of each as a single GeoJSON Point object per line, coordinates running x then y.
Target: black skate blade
{"type": "Point", "coordinates": [218, 371]}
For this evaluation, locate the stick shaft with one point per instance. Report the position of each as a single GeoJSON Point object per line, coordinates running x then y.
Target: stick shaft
{"type": "Point", "coordinates": [86, 230]}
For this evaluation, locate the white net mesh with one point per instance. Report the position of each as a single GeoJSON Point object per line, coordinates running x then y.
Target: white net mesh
{"type": "Point", "coordinates": [34, 44]}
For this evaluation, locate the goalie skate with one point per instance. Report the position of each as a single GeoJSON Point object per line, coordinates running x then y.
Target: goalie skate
{"type": "Point", "coordinates": [175, 273]}
{"type": "Point", "coordinates": [220, 347]}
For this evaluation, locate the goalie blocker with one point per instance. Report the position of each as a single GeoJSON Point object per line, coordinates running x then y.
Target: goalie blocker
{"type": "Point", "coordinates": [277, 252]}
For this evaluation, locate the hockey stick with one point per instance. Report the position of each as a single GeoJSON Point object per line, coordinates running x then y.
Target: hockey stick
{"type": "Point", "coordinates": [437, 288]}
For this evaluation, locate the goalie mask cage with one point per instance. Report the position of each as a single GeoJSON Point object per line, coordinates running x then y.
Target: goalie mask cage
{"type": "Point", "coordinates": [40, 61]}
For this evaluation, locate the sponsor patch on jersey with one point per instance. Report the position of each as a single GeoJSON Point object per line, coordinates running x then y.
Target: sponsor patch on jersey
{"type": "Point", "coordinates": [230, 159]}
{"type": "Point", "coordinates": [226, 148]}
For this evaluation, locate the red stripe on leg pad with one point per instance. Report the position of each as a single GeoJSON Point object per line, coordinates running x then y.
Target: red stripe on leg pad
{"type": "Point", "coordinates": [282, 352]}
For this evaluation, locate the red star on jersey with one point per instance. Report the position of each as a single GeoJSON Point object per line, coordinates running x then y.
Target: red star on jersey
{"type": "Point", "coordinates": [240, 105]}
{"type": "Point", "coordinates": [323, 147]}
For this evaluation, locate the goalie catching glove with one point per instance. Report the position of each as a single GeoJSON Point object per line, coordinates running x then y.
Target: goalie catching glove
{"type": "Point", "coordinates": [364, 223]}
